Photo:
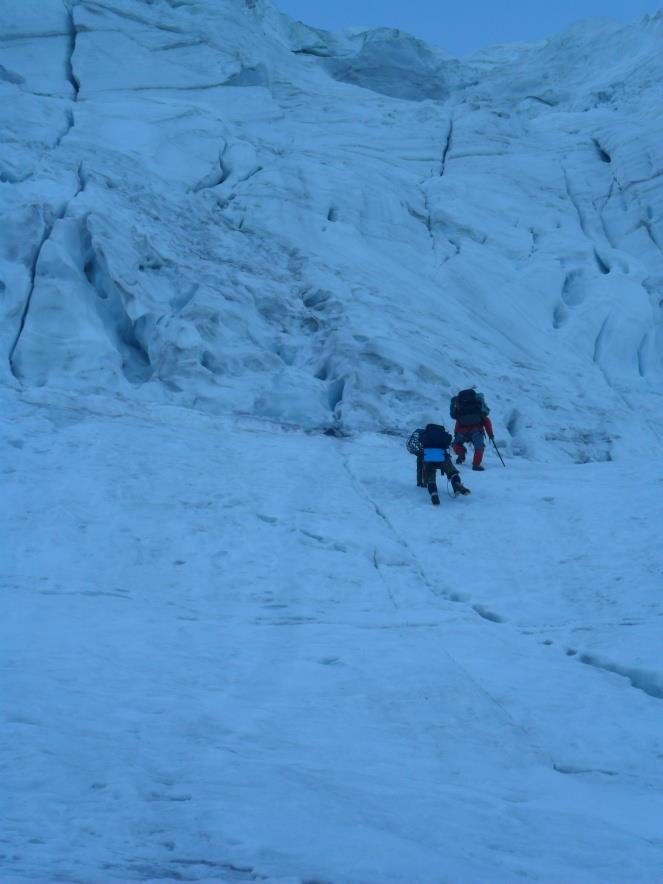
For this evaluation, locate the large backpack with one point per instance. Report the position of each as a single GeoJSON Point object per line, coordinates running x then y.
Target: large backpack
{"type": "Point", "coordinates": [468, 407]}
{"type": "Point", "coordinates": [435, 436]}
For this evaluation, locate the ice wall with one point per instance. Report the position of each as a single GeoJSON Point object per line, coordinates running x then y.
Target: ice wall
{"type": "Point", "coordinates": [208, 203]}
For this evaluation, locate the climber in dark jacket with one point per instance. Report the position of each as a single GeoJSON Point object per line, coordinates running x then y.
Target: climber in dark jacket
{"type": "Point", "coordinates": [431, 445]}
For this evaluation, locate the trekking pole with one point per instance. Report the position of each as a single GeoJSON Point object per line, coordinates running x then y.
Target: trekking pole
{"type": "Point", "coordinates": [492, 439]}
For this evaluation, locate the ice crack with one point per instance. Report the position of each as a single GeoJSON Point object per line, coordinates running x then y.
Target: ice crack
{"type": "Point", "coordinates": [71, 48]}
{"type": "Point", "coordinates": [447, 147]}
{"type": "Point", "coordinates": [48, 229]}
{"type": "Point", "coordinates": [651, 683]}
{"type": "Point", "coordinates": [46, 235]}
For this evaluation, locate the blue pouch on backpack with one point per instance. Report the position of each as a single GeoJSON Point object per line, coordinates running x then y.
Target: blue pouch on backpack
{"type": "Point", "coordinates": [434, 455]}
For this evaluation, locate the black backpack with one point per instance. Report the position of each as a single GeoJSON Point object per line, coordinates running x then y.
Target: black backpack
{"type": "Point", "coordinates": [435, 436]}
{"type": "Point", "coordinates": [468, 407]}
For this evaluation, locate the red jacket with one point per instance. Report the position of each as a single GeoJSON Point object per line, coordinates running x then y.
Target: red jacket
{"type": "Point", "coordinates": [472, 428]}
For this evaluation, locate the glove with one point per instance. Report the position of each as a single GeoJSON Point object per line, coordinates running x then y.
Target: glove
{"type": "Point", "coordinates": [491, 437]}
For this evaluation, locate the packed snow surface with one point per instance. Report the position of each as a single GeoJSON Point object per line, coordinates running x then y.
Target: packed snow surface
{"type": "Point", "coordinates": [240, 260]}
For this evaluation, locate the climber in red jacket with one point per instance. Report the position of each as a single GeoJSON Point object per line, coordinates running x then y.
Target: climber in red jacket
{"type": "Point", "coordinates": [470, 412]}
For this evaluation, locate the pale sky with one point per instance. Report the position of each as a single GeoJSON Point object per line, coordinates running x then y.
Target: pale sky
{"type": "Point", "coordinates": [462, 26]}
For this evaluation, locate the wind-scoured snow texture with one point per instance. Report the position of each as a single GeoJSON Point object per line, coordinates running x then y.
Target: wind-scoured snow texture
{"type": "Point", "coordinates": [235, 652]}
{"type": "Point", "coordinates": [209, 204]}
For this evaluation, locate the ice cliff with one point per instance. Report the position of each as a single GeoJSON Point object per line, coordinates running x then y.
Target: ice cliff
{"type": "Point", "coordinates": [209, 204]}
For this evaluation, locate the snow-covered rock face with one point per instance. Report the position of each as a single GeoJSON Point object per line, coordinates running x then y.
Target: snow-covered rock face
{"type": "Point", "coordinates": [207, 203]}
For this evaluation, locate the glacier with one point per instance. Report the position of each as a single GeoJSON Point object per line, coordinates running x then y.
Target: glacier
{"type": "Point", "coordinates": [241, 259]}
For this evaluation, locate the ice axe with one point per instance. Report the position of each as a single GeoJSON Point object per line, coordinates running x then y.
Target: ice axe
{"type": "Point", "coordinates": [492, 439]}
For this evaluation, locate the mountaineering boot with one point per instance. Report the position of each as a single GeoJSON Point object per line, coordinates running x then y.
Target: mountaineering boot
{"type": "Point", "coordinates": [434, 496]}
{"type": "Point", "coordinates": [458, 486]}
{"type": "Point", "coordinates": [478, 467]}
{"type": "Point", "coordinates": [460, 458]}
{"type": "Point", "coordinates": [435, 499]}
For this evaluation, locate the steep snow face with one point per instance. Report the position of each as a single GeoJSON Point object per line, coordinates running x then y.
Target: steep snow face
{"type": "Point", "coordinates": [208, 204]}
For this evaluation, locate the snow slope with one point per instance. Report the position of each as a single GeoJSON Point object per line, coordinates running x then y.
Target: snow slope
{"type": "Point", "coordinates": [241, 653]}
{"type": "Point", "coordinates": [241, 258]}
